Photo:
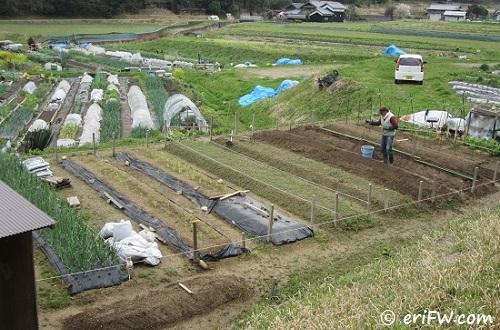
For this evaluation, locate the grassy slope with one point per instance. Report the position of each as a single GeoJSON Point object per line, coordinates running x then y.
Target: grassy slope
{"type": "Point", "coordinates": [454, 268]}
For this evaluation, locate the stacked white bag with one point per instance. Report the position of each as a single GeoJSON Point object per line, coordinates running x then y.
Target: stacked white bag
{"type": "Point", "coordinates": [130, 245]}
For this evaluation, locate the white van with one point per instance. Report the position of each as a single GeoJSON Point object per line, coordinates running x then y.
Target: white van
{"type": "Point", "coordinates": [409, 67]}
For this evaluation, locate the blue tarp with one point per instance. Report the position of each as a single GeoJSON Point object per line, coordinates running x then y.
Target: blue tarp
{"type": "Point", "coordinates": [260, 92]}
{"type": "Point", "coordinates": [286, 84]}
{"type": "Point", "coordinates": [59, 46]}
{"type": "Point", "coordinates": [392, 50]}
{"type": "Point", "coordinates": [285, 60]}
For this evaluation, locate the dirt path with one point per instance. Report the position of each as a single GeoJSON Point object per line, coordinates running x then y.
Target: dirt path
{"type": "Point", "coordinates": [286, 72]}
{"type": "Point", "coordinates": [126, 113]}
{"type": "Point", "coordinates": [65, 109]}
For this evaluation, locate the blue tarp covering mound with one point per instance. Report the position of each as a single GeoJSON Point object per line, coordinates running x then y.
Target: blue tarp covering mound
{"type": "Point", "coordinates": [286, 84]}
{"type": "Point", "coordinates": [392, 50]}
{"type": "Point", "coordinates": [260, 92]}
{"type": "Point", "coordinates": [285, 60]}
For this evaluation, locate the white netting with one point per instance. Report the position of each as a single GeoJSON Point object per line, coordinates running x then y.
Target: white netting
{"type": "Point", "coordinates": [92, 124]}
{"type": "Point", "coordinates": [141, 116]}
{"type": "Point", "coordinates": [112, 88]}
{"type": "Point", "coordinates": [96, 95]}
{"type": "Point", "coordinates": [74, 119]}
{"type": "Point", "coordinates": [52, 66]}
{"type": "Point", "coordinates": [30, 87]}
{"type": "Point", "coordinates": [64, 85]}
{"type": "Point", "coordinates": [183, 64]}
{"type": "Point", "coordinates": [126, 56]}
{"type": "Point", "coordinates": [179, 104]}
{"type": "Point", "coordinates": [157, 63]}
{"type": "Point", "coordinates": [136, 58]}
{"type": "Point", "coordinates": [38, 125]}
{"type": "Point", "coordinates": [113, 79]}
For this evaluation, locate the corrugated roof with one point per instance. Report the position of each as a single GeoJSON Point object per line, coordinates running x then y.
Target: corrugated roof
{"type": "Point", "coordinates": [17, 215]}
{"type": "Point", "coordinates": [443, 7]}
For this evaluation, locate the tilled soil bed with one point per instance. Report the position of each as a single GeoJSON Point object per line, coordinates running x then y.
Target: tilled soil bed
{"type": "Point", "coordinates": [164, 306]}
{"type": "Point", "coordinates": [403, 176]}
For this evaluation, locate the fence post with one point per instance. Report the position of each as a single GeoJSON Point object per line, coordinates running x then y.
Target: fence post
{"type": "Point", "coordinates": [495, 173]}
{"type": "Point", "coordinates": [386, 199]}
{"type": "Point", "coordinates": [93, 144]}
{"type": "Point", "coordinates": [253, 125]}
{"type": "Point", "coordinates": [369, 203]}
{"type": "Point", "coordinates": [313, 210]}
{"type": "Point", "coordinates": [474, 180]}
{"type": "Point", "coordinates": [114, 137]}
{"type": "Point", "coordinates": [243, 240]}
{"type": "Point", "coordinates": [196, 255]}
{"type": "Point", "coordinates": [336, 207]}
{"type": "Point", "coordinates": [270, 226]}
{"type": "Point", "coordinates": [211, 126]}
{"type": "Point", "coordinates": [420, 186]}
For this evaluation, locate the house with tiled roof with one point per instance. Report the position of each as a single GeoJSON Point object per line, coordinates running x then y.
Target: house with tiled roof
{"type": "Point", "coordinates": [316, 11]}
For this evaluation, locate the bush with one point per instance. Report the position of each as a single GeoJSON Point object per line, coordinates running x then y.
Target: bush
{"type": "Point", "coordinates": [485, 67]}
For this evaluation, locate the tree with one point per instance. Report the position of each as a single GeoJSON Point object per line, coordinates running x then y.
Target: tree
{"type": "Point", "coordinates": [477, 11]}
{"type": "Point", "coordinates": [402, 11]}
{"type": "Point", "coordinates": [389, 11]}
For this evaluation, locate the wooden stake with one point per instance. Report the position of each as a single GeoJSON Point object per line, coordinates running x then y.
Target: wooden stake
{"type": "Point", "coordinates": [243, 240]}
{"type": "Point", "coordinates": [274, 287]}
{"type": "Point", "coordinates": [93, 144]}
{"type": "Point", "coordinates": [114, 137]}
{"type": "Point", "coordinates": [386, 199]}
{"type": "Point", "coordinates": [196, 253]}
{"type": "Point", "coordinates": [420, 186]}
{"type": "Point", "coordinates": [474, 180]}
{"type": "Point", "coordinates": [369, 204]}
{"type": "Point", "coordinates": [270, 226]}
{"type": "Point", "coordinates": [336, 217]}
{"type": "Point", "coordinates": [313, 210]}
{"type": "Point", "coordinates": [211, 126]}
{"type": "Point", "coordinates": [495, 173]}
{"type": "Point", "coordinates": [253, 125]}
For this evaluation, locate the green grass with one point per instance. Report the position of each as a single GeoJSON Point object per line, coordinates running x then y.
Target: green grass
{"type": "Point", "coordinates": [455, 268]}
{"type": "Point", "coordinates": [79, 247]}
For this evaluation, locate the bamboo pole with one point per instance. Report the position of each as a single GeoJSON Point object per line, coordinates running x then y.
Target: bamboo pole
{"type": "Point", "coordinates": [270, 226]}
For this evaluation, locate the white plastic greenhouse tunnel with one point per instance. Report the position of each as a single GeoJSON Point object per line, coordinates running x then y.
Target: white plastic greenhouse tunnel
{"type": "Point", "coordinates": [30, 87]}
{"type": "Point", "coordinates": [180, 107]}
{"type": "Point", "coordinates": [91, 124]}
{"type": "Point", "coordinates": [113, 80]}
{"type": "Point", "coordinates": [38, 125]}
{"type": "Point", "coordinates": [141, 117]}
{"type": "Point", "coordinates": [64, 85]}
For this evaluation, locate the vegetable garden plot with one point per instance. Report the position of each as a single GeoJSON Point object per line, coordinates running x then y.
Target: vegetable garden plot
{"type": "Point", "coordinates": [71, 245]}
{"type": "Point", "coordinates": [13, 125]}
{"type": "Point", "coordinates": [137, 214]}
{"type": "Point", "coordinates": [242, 211]}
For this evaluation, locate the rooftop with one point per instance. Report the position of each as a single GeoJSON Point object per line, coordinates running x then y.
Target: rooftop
{"type": "Point", "coordinates": [18, 215]}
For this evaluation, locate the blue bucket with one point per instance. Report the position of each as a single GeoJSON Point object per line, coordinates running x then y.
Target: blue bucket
{"type": "Point", "coordinates": [367, 151]}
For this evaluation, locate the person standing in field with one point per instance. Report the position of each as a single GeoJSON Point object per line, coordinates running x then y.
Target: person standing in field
{"type": "Point", "coordinates": [389, 124]}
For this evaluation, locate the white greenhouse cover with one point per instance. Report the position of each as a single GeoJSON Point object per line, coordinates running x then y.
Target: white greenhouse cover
{"type": "Point", "coordinates": [58, 95]}
{"type": "Point", "coordinates": [52, 66]}
{"type": "Point", "coordinates": [425, 118]}
{"type": "Point", "coordinates": [180, 103]}
{"type": "Point", "coordinates": [73, 119]}
{"type": "Point", "coordinates": [136, 58]}
{"type": "Point", "coordinates": [86, 79]}
{"type": "Point", "coordinates": [113, 79]}
{"type": "Point", "coordinates": [91, 125]}
{"type": "Point", "coordinates": [66, 143]}
{"type": "Point", "coordinates": [141, 117]}
{"type": "Point", "coordinates": [64, 85]}
{"type": "Point", "coordinates": [96, 95]}
{"type": "Point", "coordinates": [38, 125]}
{"type": "Point", "coordinates": [95, 50]}
{"type": "Point", "coordinates": [157, 62]}
{"type": "Point", "coordinates": [30, 87]}
{"type": "Point", "coordinates": [112, 87]}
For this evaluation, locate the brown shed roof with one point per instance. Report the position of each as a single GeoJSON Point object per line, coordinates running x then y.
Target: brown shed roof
{"type": "Point", "coordinates": [18, 215]}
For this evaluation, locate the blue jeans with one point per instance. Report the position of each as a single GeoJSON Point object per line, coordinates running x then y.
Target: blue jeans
{"type": "Point", "coordinates": [386, 146]}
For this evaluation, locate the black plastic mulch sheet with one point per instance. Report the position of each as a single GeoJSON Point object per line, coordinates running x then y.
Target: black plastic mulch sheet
{"type": "Point", "coordinates": [243, 212]}
{"type": "Point", "coordinates": [138, 215]}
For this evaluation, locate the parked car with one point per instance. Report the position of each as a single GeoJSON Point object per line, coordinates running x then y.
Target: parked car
{"type": "Point", "coordinates": [409, 67]}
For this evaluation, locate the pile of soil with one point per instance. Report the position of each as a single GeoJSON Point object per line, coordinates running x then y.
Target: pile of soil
{"type": "Point", "coordinates": [165, 306]}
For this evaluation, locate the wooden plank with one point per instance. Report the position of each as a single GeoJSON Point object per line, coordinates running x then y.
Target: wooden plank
{"type": "Point", "coordinates": [114, 201]}
{"type": "Point", "coordinates": [228, 195]}
{"type": "Point", "coordinates": [185, 288]}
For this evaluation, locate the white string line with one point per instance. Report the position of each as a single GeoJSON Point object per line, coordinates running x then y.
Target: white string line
{"type": "Point", "coordinates": [255, 179]}
{"type": "Point", "coordinates": [297, 176]}
{"type": "Point", "coordinates": [303, 227]}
